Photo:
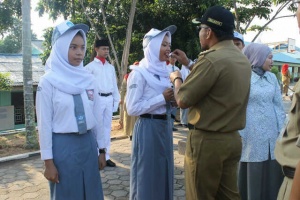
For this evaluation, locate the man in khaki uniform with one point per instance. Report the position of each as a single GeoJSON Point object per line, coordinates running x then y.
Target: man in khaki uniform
{"type": "Point", "coordinates": [216, 92]}
{"type": "Point", "coordinates": [286, 152]}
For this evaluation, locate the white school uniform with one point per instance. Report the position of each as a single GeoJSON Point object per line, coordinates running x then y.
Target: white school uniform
{"type": "Point", "coordinates": [105, 75]}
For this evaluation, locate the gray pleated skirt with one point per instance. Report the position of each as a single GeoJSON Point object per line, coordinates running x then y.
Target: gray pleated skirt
{"type": "Point", "coordinates": [152, 163]}
{"type": "Point", "coordinates": [75, 157]}
{"type": "Point", "coordinates": [259, 180]}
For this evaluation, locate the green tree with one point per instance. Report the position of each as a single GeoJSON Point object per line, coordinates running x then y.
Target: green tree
{"type": "Point", "coordinates": [12, 43]}
{"type": "Point", "coordinates": [157, 14]}
{"type": "Point", "coordinates": [103, 18]}
{"type": "Point", "coordinates": [9, 10]}
{"type": "Point", "coordinates": [246, 11]}
{"type": "Point", "coordinates": [5, 82]}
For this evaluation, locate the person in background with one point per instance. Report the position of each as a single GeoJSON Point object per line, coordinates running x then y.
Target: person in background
{"type": "Point", "coordinates": [259, 173]}
{"type": "Point", "coordinates": [216, 92]}
{"type": "Point", "coordinates": [129, 121]}
{"type": "Point", "coordinates": [286, 151]}
{"type": "Point", "coordinates": [238, 40]}
{"type": "Point", "coordinates": [285, 77]}
{"type": "Point", "coordinates": [105, 75]}
{"type": "Point", "coordinates": [66, 106]}
{"type": "Point", "coordinates": [149, 96]}
{"type": "Point", "coordinates": [184, 111]}
{"type": "Point", "coordinates": [171, 68]}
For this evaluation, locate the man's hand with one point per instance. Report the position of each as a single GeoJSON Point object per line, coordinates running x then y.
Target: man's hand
{"type": "Point", "coordinates": [51, 172]}
{"type": "Point", "coordinates": [181, 57]}
{"type": "Point", "coordinates": [101, 161]}
{"type": "Point", "coordinates": [175, 74]}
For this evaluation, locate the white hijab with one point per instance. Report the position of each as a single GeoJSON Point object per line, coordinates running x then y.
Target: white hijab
{"type": "Point", "coordinates": [150, 65]}
{"type": "Point", "coordinates": [60, 73]}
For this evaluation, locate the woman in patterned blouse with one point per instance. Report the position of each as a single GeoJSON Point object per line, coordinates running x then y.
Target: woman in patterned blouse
{"type": "Point", "coordinates": [260, 175]}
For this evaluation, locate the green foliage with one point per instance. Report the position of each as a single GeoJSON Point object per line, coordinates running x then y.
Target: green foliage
{"type": "Point", "coordinates": [5, 82]}
{"type": "Point", "coordinates": [47, 45]}
{"type": "Point", "coordinates": [274, 70]}
{"type": "Point", "coordinates": [149, 14]}
{"type": "Point", "coordinates": [9, 10]}
{"type": "Point", "coordinates": [12, 43]}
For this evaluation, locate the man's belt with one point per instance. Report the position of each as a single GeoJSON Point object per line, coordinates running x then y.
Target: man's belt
{"type": "Point", "coordinates": [288, 171]}
{"type": "Point", "coordinates": [105, 94]}
{"type": "Point", "coordinates": [163, 117]}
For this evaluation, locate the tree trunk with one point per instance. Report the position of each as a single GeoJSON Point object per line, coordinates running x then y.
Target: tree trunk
{"type": "Point", "coordinates": [126, 49]}
{"type": "Point", "coordinates": [31, 140]}
{"type": "Point", "coordinates": [124, 62]}
{"type": "Point", "coordinates": [110, 40]}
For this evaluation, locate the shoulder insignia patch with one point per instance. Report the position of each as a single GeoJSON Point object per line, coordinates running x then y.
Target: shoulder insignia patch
{"type": "Point", "coordinates": [206, 52]}
{"type": "Point", "coordinates": [133, 86]}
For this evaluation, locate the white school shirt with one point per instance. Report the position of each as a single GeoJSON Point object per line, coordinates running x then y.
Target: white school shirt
{"type": "Point", "coordinates": [105, 75]}
{"type": "Point", "coordinates": [55, 113]}
{"type": "Point", "coordinates": [141, 98]}
{"type": "Point", "coordinates": [184, 72]}
{"type": "Point", "coordinates": [172, 68]}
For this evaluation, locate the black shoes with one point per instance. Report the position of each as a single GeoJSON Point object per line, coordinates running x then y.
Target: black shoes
{"type": "Point", "coordinates": [184, 125]}
{"type": "Point", "coordinates": [175, 129]}
{"type": "Point", "coordinates": [110, 163]}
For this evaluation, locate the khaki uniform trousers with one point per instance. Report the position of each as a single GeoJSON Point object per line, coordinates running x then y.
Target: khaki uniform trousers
{"type": "Point", "coordinates": [285, 189]}
{"type": "Point", "coordinates": [211, 162]}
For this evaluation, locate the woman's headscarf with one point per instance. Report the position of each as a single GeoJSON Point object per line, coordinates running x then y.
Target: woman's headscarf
{"type": "Point", "coordinates": [284, 69]}
{"type": "Point", "coordinates": [60, 73]}
{"type": "Point", "coordinates": [150, 65]}
{"type": "Point", "coordinates": [257, 55]}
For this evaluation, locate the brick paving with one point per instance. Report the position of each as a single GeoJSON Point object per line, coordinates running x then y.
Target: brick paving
{"type": "Point", "coordinates": [23, 178]}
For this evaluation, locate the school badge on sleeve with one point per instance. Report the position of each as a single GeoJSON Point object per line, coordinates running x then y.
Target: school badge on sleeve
{"type": "Point", "coordinates": [90, 94]}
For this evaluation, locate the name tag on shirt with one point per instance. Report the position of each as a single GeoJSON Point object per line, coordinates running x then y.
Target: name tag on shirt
{"type": "Point", "coordinates": [90, 94]}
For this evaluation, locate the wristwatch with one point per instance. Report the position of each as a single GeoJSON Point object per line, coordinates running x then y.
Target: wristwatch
{"type": "Point", "coordinates": [190, 63]}
{"type": "Point", "coordinates": [102, 150]}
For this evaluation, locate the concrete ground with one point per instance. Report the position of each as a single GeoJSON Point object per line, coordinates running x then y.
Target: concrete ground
{"type": "Point", "coordinates": [23, 178]}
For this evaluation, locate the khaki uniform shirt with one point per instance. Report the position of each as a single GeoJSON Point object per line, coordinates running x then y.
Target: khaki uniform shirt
{"type": "Point", "coordinates": [217, 89]}
{"type": "Point", "coordinates": [286, 151]}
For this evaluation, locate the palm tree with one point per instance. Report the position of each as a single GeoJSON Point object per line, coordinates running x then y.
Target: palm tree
{"type": "Point", "coordinates": [31, 141]}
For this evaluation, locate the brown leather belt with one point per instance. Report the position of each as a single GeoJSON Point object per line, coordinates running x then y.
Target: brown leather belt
{"type": "Point", "coordinates": [288, 171]}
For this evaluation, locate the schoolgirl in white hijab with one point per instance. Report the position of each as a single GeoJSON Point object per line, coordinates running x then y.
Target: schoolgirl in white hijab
{"type": "Point", "coordinates": [148, 96]}
{"type": "Point", "coordinates": [67, 99]}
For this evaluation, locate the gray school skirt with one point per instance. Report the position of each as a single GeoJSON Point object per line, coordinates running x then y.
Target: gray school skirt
{"type": "Point", "coordinates": [152, 163]}
{"type": "Point", "coordinates": [76, 159]}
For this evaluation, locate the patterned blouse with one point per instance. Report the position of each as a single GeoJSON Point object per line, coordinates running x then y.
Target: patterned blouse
{"type": "Point", "coordinates": [264, 119]}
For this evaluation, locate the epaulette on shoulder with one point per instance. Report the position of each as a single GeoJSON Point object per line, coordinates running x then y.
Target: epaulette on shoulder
{"type": "Point", "coordinates": [206, 52]}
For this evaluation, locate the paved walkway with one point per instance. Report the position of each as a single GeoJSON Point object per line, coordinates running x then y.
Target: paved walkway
{"type": "Point", "coordinates": [23, 179]}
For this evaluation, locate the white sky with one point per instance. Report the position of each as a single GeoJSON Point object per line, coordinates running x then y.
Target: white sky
{"type": "Point", "coordinates": [282, 29]}
{"type": "Point", "coordinates": [38, 24]}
